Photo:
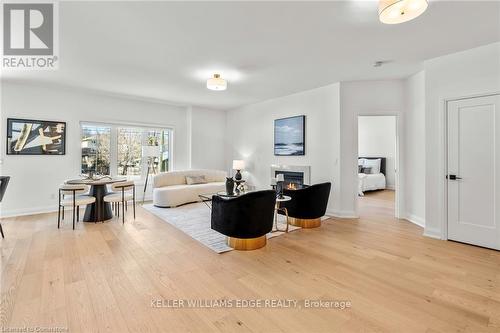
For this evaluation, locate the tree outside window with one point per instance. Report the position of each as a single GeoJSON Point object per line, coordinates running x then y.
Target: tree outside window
{"type": "Point", "coordinates": [129, 151]}
{"type": "Point", "coordinates": [117, 150]}
{"type": "Point", "coordinates": [96, 142]}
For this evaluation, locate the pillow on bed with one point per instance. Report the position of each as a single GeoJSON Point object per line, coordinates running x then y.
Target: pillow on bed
{"type": "Point", "coordinates": [361, 161]}
{"type": "Point", "coordinates": [366, 170]}
{"type": "Point", "coordinates": [374, 165]}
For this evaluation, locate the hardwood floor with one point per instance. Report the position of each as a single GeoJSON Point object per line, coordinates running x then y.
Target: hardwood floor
{"type": "Point", "coordinates": [103, 277]}
{"type": "Point", "coordinates": [377, 203]}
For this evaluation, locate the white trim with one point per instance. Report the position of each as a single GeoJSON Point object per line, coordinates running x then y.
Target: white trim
{"type": "Point", "coordinates": [342, 214]}
{"type": "Point", "coordinates": [399, 186]}
{"type": "Point", "coordinates": [433, 233]}
{"type": "Point", "coordinates": [27, 211]}
{"type": "Point", "coordinates": [139, 188]}
{"type": "Point", "coordinates": [117, 123]}
{"type": "Point", "coordinates": [415, 220]}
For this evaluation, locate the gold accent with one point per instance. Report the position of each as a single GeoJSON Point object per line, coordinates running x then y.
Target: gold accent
{"type": "Point", "coordinates": [21, 141]}
{"type": "Point", "coordinates": [305, 223]}
{"type": "Point", "coordinates": [216, 76]}
{"type": "Point", "coordinates": [277, 209]}
{"type": "Point", "coordinates": [247, 244]}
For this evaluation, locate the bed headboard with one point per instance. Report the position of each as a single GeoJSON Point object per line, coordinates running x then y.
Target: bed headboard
{"type": "Point", "coordinates": [382, 162]}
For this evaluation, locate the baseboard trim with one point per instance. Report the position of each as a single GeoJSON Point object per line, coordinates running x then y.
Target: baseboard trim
{"type": "Point", "coordinates": [432, 233]}
{"type": "Point", "coordinates": [342, 214]}
{"type": "Point", "coordinates": [9, 213]}
{"type": "Point", "coordinates": [415, 220]}
{"type": "Point", "coordinates": [27, 211]}
{"type": "Point", "coordinates": [391, 187]}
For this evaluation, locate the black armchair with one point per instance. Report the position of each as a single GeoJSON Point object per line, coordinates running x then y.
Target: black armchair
{"type": "Point", "coordinates": [245, 219]}
{"type": "Point", "coordinates": [4, 181]}
{"type": "Point", "coordinates": [308, 205]}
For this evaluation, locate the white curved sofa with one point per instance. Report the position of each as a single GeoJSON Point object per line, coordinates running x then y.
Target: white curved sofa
{"type": "Point", "coordinates": [170, 188]}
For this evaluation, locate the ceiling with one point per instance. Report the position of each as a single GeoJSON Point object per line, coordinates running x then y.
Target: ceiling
{"type": "Point", "coordinates": [167, 50]}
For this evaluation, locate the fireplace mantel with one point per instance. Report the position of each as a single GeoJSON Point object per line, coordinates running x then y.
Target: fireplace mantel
{"type": "Point", "coordinates": [305, 169]}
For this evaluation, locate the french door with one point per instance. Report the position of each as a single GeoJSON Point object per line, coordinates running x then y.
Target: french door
{"type": "Point", "coordinates": [473, 177]}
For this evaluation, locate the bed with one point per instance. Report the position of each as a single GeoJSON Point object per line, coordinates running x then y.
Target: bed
{"type": "Point", "coordinates": [371, 180]}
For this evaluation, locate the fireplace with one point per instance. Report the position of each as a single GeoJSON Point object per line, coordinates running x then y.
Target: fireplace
{"type": "Point", "coordinates": [296, 176]}
{"type": "Point", "coordinates": [293, 179]}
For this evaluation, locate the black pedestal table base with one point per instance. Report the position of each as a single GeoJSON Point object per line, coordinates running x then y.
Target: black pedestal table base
{"type": "Point", "coordinates": [100, 210]}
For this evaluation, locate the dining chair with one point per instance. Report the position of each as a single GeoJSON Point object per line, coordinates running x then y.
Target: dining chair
{"type": "Point", "coordinates": [73, 196]}
{"type": "Point", "coordinates": [68, 182]}
{"type": "Point", "coordinates": [123, 192]}
{"type": "Point", "coordinates": [4, 181]}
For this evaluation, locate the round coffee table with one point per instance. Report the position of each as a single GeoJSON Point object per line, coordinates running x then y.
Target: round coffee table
{"type": "Point", "coordinates": [98, 211]}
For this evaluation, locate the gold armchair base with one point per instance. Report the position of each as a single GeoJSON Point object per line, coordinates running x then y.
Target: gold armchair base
{"type": "Point", "coordinates": [247, 244]}
{"type": "Point", "coordinates": [305, 223]}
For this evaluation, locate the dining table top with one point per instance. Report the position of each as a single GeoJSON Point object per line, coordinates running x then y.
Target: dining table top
{"type": "Point", "coordinates": [100, 181]}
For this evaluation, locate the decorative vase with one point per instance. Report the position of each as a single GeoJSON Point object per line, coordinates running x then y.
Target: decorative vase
{"type": "Point", "coordinates": [229, 185]}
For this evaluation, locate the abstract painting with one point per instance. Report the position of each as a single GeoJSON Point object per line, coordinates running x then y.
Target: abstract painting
{"type": "Point", "coordinates": [289, 136]}
{"type": "Point", "coordinates": [35, 137]}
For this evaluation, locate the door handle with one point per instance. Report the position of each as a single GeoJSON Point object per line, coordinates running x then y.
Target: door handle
{"type": "Point", "coordinates": [453, 177]}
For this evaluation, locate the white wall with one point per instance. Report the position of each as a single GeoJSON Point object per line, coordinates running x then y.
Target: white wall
{"type": "Point", "coordinates": [414, 150]}
{"type": "Point", "coordinates": [364, 98]}
{"type": "Point", "coordinates": [208, 134]}
{"type": "Point", "coordinates": [331, 134]}
{"type": "Point", "coordinates": [35, 179]}
{"type": "Point", "coordinates": [463, 74]}
{"type": "Point", "coordinates": [250, 131]}
{"type": "Point", "coordinates": [331, 137]}
{"type": "Point", "coordinates": [377, 138]}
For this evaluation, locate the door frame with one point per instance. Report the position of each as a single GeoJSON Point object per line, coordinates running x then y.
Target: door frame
{"type": "Point", "coordinates": [398, 198]}
{"type": "Point", "coordinates": [444, 157]}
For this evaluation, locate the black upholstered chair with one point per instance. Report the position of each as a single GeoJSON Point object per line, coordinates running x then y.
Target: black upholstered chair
{"type": "Point", "coordinates": [245, 219]}
{"type": "Point", "coordinates": [308, 205]}
{"type": "Point", "coordinates": [4, 181]}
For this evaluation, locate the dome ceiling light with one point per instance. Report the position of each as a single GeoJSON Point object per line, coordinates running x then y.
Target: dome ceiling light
{"type": "Point", "coordinates": [216, 83]}
{"type": "Point", "coordinates": [399, 11]}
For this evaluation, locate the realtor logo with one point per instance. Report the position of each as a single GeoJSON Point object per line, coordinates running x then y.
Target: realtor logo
{"type": "Point", "coordinates": [29, 36]}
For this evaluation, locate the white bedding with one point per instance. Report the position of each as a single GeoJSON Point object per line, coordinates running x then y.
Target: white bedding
{"type": "Point", "coordinates": [371, 182]}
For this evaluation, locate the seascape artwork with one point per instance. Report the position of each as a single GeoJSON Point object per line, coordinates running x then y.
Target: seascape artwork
{"type": "Point", "coordinates": [289, 136]}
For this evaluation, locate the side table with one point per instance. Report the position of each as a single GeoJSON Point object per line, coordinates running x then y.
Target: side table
{"type": "Point", "coordinates": [277, 209]}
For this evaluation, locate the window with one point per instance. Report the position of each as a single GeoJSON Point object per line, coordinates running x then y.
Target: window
{"type": "Point", "coordinates": [96, 142]}
{"type": "Point", "coordinates": [117, 150]}
{"type": "Point", "coordinates": [161, 139]}
{"type": "Point", "coordinates": [129, 151]}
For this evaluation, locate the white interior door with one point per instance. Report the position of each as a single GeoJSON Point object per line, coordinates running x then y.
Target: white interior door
{"type": "Point", "coordinates": [473, 171]}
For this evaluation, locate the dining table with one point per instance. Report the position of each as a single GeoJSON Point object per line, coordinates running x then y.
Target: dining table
{"type": "Point", "coordinates": [100, 210]}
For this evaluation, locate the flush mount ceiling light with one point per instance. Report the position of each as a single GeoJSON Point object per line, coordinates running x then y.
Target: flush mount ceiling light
{"type": "Point", "coordinates": [216, 83]}
{"type": "Point", "coordinates": [399, 11]}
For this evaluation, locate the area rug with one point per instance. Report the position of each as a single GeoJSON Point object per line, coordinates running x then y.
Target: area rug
{"type": "Point", "coordinates": [194, 220]}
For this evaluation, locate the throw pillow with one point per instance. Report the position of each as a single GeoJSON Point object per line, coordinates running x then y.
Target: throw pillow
{"type": "Point", "coordinates": [374, 164]}
{"type": "Point", "coordinates": [191, 180]}
{"type": "Point", "coordinates": [367, 170]}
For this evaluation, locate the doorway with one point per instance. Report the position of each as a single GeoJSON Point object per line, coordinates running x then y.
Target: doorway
{"type": "Point", "coordinates": [473, 171]}
{"type": "Point", "coordinates": [377, 165]}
